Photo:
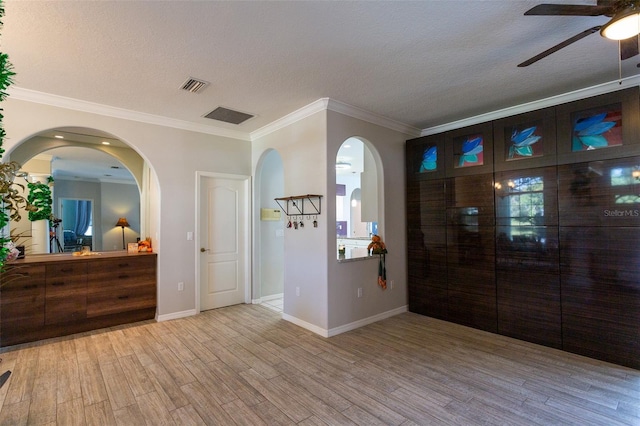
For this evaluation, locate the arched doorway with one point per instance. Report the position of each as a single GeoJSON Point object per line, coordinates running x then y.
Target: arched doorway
{"type": "Point", "coordinates": [269, 259]}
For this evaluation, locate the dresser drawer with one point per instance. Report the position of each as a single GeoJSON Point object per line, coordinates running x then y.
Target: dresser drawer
{"type": "Point", "coordinates": [22, 284]}
{"type": "Point", "coordinates": [122, 272]}
{"type": "Point", "coordinates": [66, 292]}
{"type": "Point", "coordinates": [121, 298]}
{"type": "Point", "coordinates": [22, 299]}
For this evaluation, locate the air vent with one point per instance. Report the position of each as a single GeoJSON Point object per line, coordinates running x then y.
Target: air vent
{"type": "Point", "coordinates": [228, 115]}
{"type": "Point", "coordinates": [194, 85]}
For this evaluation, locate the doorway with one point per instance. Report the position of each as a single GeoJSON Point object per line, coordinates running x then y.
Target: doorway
{"type": "Point", "coordinates": [77, 224]}
{"type": "Point", "coordinates": [223, 240]}
{"type": "Point", "coordinates": [268, 272]}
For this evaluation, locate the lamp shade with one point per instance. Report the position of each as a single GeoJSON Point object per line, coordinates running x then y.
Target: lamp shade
{"type": "Point", "coordinates": [122, 222]}
{"type": "Point", "coordinates": [623, 25]}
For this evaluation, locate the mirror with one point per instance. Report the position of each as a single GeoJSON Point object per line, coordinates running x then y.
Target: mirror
{"type": "Point", "coordinates": [96, 180]}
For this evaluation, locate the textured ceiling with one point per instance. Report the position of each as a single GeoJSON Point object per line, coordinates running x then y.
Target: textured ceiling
{"type": "Point", "coordinates": [421, 63]}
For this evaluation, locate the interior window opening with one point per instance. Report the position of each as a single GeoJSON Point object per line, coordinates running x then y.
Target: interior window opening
{"type": "Point", "coordinates": [356, 199]}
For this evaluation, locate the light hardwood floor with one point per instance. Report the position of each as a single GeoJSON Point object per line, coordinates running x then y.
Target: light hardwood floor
{"type": "Point", "coordinates": [244, 365]}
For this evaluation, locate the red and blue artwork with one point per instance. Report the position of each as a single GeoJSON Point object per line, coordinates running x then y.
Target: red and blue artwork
{"type": "Point", "coordinates": [598, 130]}
{"type": "Point", "coordinates": [472, 151]}
{"type": "Point", "coordinates": [523, 143]}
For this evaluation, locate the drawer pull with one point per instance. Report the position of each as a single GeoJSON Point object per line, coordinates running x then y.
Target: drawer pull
{"type": "Point", "coordinates": [57, 283]}
{"type": "Point", "coordinates": [123, 265]}
{"type": "Point", "coordinates": [66, 270]}
{"type": "Point", "coordinates": [123, 297]}
{"type": "Point", "coordinates": [123, 276]}
{"type": "Point", "coordinates": [29, 286]}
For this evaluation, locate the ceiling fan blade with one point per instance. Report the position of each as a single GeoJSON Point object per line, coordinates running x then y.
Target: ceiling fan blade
{"type": "Point", "coordinates": [559, 46]}
{"type": "Point", "coordinates": [629, 48]}
{"type": "Point", "coordinates": [568, 10]}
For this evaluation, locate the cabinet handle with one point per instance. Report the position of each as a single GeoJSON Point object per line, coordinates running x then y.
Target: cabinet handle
{"type": "Point", "coordinates": [123, 297]}
{"type": "Point", "coordinates": [123, 265]}
{"type": "Point", "coordinates": [29, 286]}
{"type": "Point", "coordinates": [123, 276]}
{"type": "Point", "coordinates": [66, 269]}
{"type": "Point", "coordinates": [57, 283]}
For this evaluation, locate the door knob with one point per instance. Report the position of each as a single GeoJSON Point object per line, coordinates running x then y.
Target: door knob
{"type": "Point", "coordinates": [202, 249]}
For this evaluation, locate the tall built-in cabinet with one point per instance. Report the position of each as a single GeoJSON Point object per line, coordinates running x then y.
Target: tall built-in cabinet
{"type": "Point", "coordinates": [529, 226]}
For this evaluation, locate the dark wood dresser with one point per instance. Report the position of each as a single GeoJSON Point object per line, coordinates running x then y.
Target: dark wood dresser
{"type": "Point", "coordinates": [55, 295]}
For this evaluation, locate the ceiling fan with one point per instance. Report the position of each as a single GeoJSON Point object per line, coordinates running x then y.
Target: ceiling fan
{"type": "Point", "coordinates": [622, 13]}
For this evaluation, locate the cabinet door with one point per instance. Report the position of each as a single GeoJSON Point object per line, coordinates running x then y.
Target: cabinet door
{"type": "Point", "coordinates": [471, 283]}
{"type": "Point", "coordinates": [22, 298]}
{"type": "Point", "coordinates": [121, 285]}
{"type": "Point", "coordinates": [426, 252]}
{"type": "Point", "coordinates": [66, 292]}
{"type": "Point", "coordinates": [527, 255]}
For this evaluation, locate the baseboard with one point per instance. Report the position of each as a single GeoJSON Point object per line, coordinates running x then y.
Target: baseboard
{"type": "Point", "coordinates": [271, 297]}
{"type": "Point", "coordinates": [366, 321]}
{"type": "Point", "coordinates": [347, 327]}
{"type": "Point", "coordinates": [297, 321]}
{"type": "Point", "coordinates": [176, 315]}
{"type": "Point", "coordinates": [267, 298]}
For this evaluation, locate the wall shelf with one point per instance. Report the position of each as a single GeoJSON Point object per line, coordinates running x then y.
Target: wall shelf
{"type": "Point", "coordinates": [309, 204]}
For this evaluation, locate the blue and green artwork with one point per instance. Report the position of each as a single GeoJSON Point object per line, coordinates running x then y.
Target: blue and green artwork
{"type": "Point", "coordinates": [429, 159]}
{"type": "Point", "coordinates": [596, 131]}
{"type": "Point", "coordinates": [472, 150]}
{"type": "Point", "coordinates": [522, 142]}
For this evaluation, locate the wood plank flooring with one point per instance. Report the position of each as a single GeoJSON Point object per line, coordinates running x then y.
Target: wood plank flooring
{"type": "Point", "coordinates": [244, 365]}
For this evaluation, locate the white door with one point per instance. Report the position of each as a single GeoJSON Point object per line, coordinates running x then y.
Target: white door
{"type": "Point", "coordinates": [223, 241]}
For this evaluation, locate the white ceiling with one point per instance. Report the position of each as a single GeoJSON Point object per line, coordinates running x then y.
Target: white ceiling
{"type": "Point", "coordinates": [421, 63]}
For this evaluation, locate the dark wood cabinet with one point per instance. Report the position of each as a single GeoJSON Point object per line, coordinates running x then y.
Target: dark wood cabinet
{"type": "Point", "coordinates": [21, 301]}
{"type": "Point", "coordinates": [66, 292]}
{"type": "Point", "coordinates": [543, 254]}
{"type": "Point", "coordinates": [121, 285]}
{"type": "Point", "coordinates": [527, 255]}
{"type": "Point", "coordinates": [56, 295]}
{"type": "Point", "coordinates": [427, 250]}
{"type": "Point", "coordinates": [470, 263]}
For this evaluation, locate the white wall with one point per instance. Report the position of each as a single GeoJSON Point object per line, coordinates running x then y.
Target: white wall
{"type": "Point", "coordinates": [174, 155]}
{"type": "Point", "coordinates": [301, 146]}
{"type": "Point", "coordinates": [343, 279]}
{"type": "Point", "coordinates": [328, 300]}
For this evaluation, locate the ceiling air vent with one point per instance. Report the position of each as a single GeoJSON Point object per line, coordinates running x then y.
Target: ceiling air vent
{"type": "Point", "coordinates": [228, 115]}
{"type": "Point", "coordinates": [194, 85]}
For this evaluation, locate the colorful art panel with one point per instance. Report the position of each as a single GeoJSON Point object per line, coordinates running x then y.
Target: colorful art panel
{"type": "Point", "coordinates": [524, 141]}
{"type": "Point", "coordinates": [596, 128]}
{"type": "Point", "coordinates": [469, 151]}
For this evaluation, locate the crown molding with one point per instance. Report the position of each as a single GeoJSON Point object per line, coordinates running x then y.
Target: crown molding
{"type": "Point", "coordinates": [125, 114]}
{"type": "Point", "coordinates": [287, 120]}
{"type": "Point", "coordinates": [372, 118]}
{"type": "Point", "coordinates": [576, 95]}
{"type": "Point", "coordinates": [323, 104]}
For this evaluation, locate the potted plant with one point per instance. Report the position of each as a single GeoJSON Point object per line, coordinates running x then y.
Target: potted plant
{"type": "Point", "coordinates": [11, 199]}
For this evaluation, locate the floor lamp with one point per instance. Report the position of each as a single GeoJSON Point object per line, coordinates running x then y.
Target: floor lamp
{"type": "Point", "coordinates": [122, 222]}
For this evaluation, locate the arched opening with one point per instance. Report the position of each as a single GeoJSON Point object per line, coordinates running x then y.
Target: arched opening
{"type": "Point", "coordinates": [269, 277]}
{"type": "Point", "coordinates": [97, 179]}
{"type": "Point", "coordinates": [358, 197]}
